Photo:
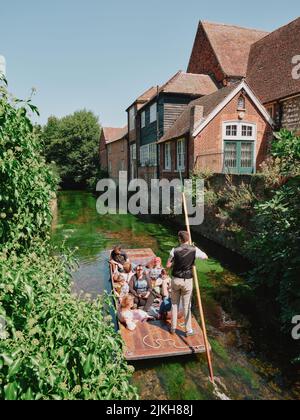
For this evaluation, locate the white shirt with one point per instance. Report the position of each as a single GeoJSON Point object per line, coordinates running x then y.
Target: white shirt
{"type": "Point", "coordinates": [199, 254]}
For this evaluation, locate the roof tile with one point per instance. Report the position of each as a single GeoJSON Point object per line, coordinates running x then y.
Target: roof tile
{"type": "Point", "coordinates": [270, 64]}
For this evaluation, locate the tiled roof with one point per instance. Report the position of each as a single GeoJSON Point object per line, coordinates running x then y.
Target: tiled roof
{"type": "Point", "coordinates": [112, 134]}
{"type": "Point", "coordinates": [188, 84]}
{"type": "Point", "coordinates": [209, 103]}
{"type": "Point", "coordinates": [270, 64]}
{"type": "Point", "coordinates": [145, 97]}
{"type": "Point", "coordinates": [231, 45]}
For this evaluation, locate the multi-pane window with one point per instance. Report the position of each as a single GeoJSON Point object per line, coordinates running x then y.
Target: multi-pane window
{"type": "Point", "coordinates": [148, 155]}
{"type": "Point", "coordinates": [231, 130]}
{"type": "Point", "coordinates": [181, 154]}
{"type": "Point", "coordinates": [143, 118]}
{"type": "Point", "coordinates": [230, 155]}
{"type": "Point", "coordinates": [153, 113]}
{"type": "Point", "coordinates": [168, 158]}
{"type": "Point", "coordinates": [246, 155]}
{"type": "Point", "coordinates": [131, 119]}
{"type": "Point", "coordinates": [144, 155]}
{"type": "Point", "coordinates": [239, 148]}
{"type": "Point", "coordinates": [153, 154]}
{"type": "Point", "coordinates": [247, 130]}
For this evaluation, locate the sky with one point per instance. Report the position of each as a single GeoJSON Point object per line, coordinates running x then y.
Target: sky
{"type": "Point", "coordinates": [100, 55]}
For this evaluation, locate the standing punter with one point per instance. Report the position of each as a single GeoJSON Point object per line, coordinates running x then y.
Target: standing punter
{"type": "Point", "coordinates": [182, 259]}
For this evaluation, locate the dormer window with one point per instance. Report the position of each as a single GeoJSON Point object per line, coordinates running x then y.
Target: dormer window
{"type": "Point", "coordinates": [242, 103]}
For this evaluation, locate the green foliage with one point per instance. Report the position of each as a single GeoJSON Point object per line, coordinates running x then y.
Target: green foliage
{"type": "Point", "coordinates": [72, 143]}
{"type": "Point", "coordinates": [55, 345]}
{"type": "Point", "coordinates": [286, 147]}
{"type": "Point", "coordinates": [275, 248]}
{"type": "Point", "coordinates": [26, 182]}
{"type": "Point", "coordinates": [275, 245]}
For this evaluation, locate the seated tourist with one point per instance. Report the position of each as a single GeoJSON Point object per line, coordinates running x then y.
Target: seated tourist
{"type": "Point", "coordinates": [166, 305]}
{"type": "Point", "coordinates": [127, 273]}
{"type": "Point", "coordinates": [131, 317]}
{"type": "Point", "coordinates": [155, 271]}
{"type": "Point", "coordinates": [118, 258]}
{"type": "Point", "coordinates": [140, 288]}
{"type": "Point", "coordinates": [121, 288]}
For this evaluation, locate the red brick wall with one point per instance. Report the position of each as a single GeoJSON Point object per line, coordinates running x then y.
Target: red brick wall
{"type": "Point", "coordinates": [210, 140]}
{"type": "Point", "coordinates": [117, 153]}
{"type": "Point", "coordinates": [203, 59]}
{"type": "Point", "coordinates": [103, 152]}
{"type": "Point", "coordinates": [207, 148]}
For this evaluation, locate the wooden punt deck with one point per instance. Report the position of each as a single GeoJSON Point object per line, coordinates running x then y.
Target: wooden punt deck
{"type": "Point", "coordinates": [152, 340]}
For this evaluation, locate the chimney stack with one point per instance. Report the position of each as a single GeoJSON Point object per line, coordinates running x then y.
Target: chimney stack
{"type": "Point", "coordinates": [197, 112]}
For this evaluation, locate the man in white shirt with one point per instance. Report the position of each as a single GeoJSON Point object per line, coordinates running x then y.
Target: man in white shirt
{"type": "Point", "coordinates": [182, 260]}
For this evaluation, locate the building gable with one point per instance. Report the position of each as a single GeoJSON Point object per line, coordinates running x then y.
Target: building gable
{"type": "Point", "coordinates": [222, 50]}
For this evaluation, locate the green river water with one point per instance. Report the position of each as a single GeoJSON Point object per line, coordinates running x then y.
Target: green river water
{"type": "Point", "coordinates": [240, 372]}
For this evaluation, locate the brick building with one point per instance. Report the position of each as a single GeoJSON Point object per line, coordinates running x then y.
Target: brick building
{"type": "Point", "coordinates": [222, 51]}
{"type": "Point", "coordinates": [228, 131]}
{"type": "Point", "coordinates": [274, 74]}
{"type": "Point", "coordinates": [161, 111]}
{"type": "Point", "coordinates": [114, 151]}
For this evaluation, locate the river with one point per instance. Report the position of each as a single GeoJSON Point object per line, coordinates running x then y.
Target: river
{"type": "Point", "coordinates": [241, 373]}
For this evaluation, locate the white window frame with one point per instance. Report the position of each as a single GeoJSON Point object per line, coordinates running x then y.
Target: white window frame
{"type": "Point", "coordinates": [181, 152]}
{"type": "Point", "coordinates": [168, 156]}
{"type": "Point", "coordinates": [153, 154]}
{"type": "Point", "coordinates": [153, 113]}
{"type": "Point", "coordinates": [133, 152]}
{"type": "Point", "coordinates": [148, 155]}
{"type": "Point", "coordinates": [143, 119]}
{"type": "Point", "coordinates": [144, 155]}
{"type": "Point", "coordinates": [132, 118]}
{"type": "Point", "coordinates": [239, 135]}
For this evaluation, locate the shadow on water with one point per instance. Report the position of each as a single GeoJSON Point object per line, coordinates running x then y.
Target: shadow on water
{"type": "Point", "coordinates": [243, 374]}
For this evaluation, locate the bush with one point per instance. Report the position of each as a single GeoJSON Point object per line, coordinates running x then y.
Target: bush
{"type": "Point", "coordinates": [26, 182]}
{"type": "Point", "coordinates": [275, 249]}
{"type": "Point", "coordinates": [275, 245]}
{"type": "Point", "coordinates": [56, 346]}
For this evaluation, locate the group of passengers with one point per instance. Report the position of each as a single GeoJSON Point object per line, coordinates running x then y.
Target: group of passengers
{"type": "Point", "coordinates": [147, 292]}
{"type": "Point", "coordinates": [143, 291]}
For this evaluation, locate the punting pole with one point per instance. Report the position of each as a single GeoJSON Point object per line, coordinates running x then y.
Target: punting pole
{"type": "Point", "coordinates": [195, 275]}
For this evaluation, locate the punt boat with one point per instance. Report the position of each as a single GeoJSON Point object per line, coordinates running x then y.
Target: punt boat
{"type": "Point", "coordinates": [152, 340]}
